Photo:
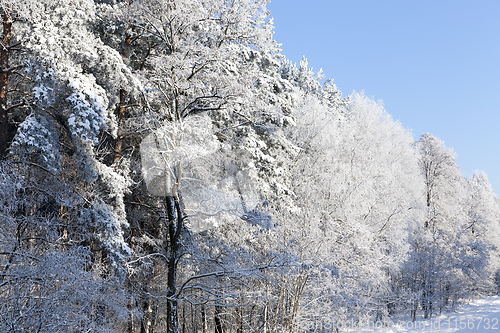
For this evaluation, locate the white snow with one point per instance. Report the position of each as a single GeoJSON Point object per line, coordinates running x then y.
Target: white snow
{"type": "Point", "coordinates": [480, 316]}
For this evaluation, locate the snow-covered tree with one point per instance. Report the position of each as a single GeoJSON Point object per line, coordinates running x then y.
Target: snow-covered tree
{"type": "Point", "coordinates": [172, 160]}
{"type": "Point", "coordinates": [357, 189]}
{"type": "Point", "coordinates": [447, 261]}
{"type": "Point", "coordinates": [195, 66]}
{"type": "Point", "coordinates": [483, 212]}
{"type": "Point", "coordinates": [47, 280]}
{"type": "Point", "coordinates": [11, 12]}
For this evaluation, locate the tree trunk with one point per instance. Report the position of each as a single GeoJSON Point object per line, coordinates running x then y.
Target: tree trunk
{"type": "Point", "coordinates": [147, 325]}
{"type": "Point", "coordinates": [131, 322]}
{"type": "Point", "coordinates": [184, 319]}
{"type": "Point", "coordinates": [172, 317]}
{"type": "Point", "coordinates": [194, 324]}
{"type": "Point", "coordinates": [204, 319]}
{"type": "Point", "coordinates": [217, 319]}
{"type": "Point", "coordinates": [4, 80]}
{"type": "Point", "coordinates": [175, 223]}
{"type": "Point", "coordinates": [120, 112]}
{"type": "Point", "coordinates": [240, 319]}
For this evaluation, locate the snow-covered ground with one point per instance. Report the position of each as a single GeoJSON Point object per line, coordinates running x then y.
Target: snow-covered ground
{"type": "Point", "coordinates": [477, 317]}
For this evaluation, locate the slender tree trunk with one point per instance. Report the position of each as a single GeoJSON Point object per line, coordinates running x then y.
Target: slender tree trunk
{"type": "Point", "coordinates": [265, 314]}
{"type": "Point", "coordinates": [4, 81]}
{"type": "Point", "coordinates": [184, 319]}
{"type": "Point", "coordinates": [240, 319]}
{"type": "Point", "coordinates": [131, 322]}
{"type": "Point", "coordinates": [204, 318]}
{"type": "Point", "coordinates": [194, 325]}
{"type": "Point", "coordinates": [175, 223]}
{"type": "Point", "coordinates": [120, 112]}
{"type": "Point", "coordinates": [217, 319]}
{"type": "Point", "coordinates": [251, 323]}
{"type": "Point", "coordinates": [147, 325]}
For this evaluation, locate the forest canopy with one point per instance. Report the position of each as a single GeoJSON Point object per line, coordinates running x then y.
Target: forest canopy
{"type": "Point", "coordinates": [165, 168]}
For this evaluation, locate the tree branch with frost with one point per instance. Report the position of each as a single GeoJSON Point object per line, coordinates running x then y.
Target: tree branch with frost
{"type": "Point", "coordinates": [146, 257]}
{"type": "Point", "coordinates": [204, 103]}
{"type": "Point", "coordinates": [15, 279]}
{"type": "Point", "coordinates": [15, 106]}
{"type": "Point", "coordinates": [225, 273]}
{"type": "Point", "coordinates": [26, 255]}
{"type": "Point", "coordinates": [11, 69]}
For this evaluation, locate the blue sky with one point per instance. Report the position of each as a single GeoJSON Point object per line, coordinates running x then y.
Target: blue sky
{"type": "Point", "coordinates": [435, 64]}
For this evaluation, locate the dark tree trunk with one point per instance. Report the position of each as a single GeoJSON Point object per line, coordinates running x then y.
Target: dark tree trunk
{"type": "Point", "coordinates": [4, 81]}
{"type": "Point", "coordinates": [194, 324]}
{"type": "Point", "coordinates": [131, 322]}
{"type": "Point", "coordinates": [120, 112]}
{"type": "Point", "coordinates": [240, 319]}
{"type": "Point", "coordinates": [217, 319]}
{"type": "Point", "coordinates": [204, 319]}
{"type": "Point", "coordinates": [184, 319]}
{"type": "Point", "coordinates": [175, 224]}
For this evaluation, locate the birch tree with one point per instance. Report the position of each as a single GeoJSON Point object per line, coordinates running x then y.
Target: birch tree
{"type": "Point", "coordinates": [447, 259]}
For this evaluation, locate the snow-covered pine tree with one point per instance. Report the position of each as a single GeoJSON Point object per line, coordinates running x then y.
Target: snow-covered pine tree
{"type": "Point", "coordinates": [47, 279]}
{"type": "Point", "coordinates": [195, 65]}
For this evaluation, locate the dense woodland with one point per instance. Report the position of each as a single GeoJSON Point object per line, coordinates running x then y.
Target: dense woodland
{"type": "Point", "coordinates": [164, 168]}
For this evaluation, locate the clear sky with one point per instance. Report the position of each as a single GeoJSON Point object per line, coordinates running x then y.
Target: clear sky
{"type": "Point", "coordinates": [435, 64]}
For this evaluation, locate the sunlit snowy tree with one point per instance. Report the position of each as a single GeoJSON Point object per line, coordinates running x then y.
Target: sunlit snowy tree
{"type": "Point", "coordinates": [448, 261]}
{"type": "Point", "coordinates": [47, 280]}
{"type": "Point", "coordinates": [188, 177]}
